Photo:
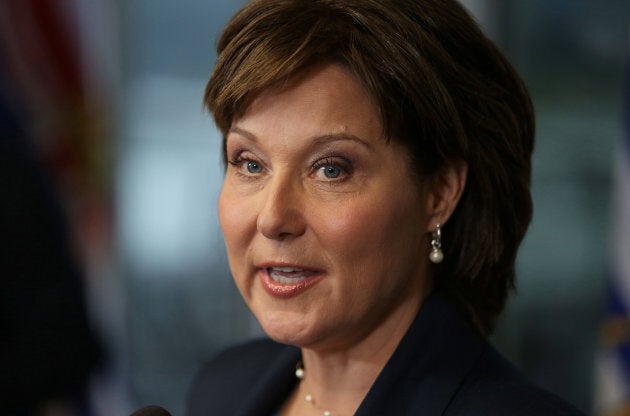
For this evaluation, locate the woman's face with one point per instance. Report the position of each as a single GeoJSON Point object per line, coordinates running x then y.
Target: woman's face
{"type": "Point", "coordinates": [325, 227]}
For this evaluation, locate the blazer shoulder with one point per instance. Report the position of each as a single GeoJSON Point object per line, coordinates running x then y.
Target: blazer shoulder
{"type": "Point", "coordinates": [495, 387]}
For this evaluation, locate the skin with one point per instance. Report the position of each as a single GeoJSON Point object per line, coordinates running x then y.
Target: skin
{"type": "Point", "coordinates": [312, 183]}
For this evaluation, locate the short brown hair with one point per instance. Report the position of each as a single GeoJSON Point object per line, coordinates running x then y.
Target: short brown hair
{"type": "Point", "coordinates": [443, 90]}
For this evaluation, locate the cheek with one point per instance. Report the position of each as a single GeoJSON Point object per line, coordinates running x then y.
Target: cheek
{"type": "Point", "coordinates": [373, 231]}
{"type": "Point", "coordinates": [233, 218]}
{"type": "Point", "coordinates": [357, 228]}
{"type": "Point", "coordinates": [224, 218]}
{"type": "Point", "coordinates": [231, 212]}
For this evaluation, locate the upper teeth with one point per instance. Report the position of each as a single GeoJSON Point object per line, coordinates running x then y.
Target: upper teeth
{"type": "Point", "coordinates": [285, 269]}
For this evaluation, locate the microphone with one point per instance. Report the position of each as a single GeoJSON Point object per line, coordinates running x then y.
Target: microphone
{"type": "Point", "coordinates": [151, 411]}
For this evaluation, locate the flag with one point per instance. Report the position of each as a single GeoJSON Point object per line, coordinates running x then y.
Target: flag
{"type": "Point", "coordinates": [612, 367]}
{"type": "Point", "coordinates": [45, 76]}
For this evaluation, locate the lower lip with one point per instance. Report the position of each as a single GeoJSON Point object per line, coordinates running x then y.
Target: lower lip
{"type": "Point", "coordinates": [287, 290]}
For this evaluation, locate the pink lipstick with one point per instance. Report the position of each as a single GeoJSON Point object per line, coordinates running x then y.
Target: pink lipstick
{"type": "Point", "coordinates": [287, 281]}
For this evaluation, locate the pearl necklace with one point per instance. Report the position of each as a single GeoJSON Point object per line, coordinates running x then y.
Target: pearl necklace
{"type": "Point", "coordinates": [299, 373]}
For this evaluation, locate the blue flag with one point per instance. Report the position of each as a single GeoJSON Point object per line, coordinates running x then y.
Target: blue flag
{"type": "Point", "coordinates": [612, 396]}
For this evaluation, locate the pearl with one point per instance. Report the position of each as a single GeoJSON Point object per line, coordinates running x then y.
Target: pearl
{"type": "Point", "coordinates": [299, 373]}
{"type": "Point", "coordinates": [436, 256]}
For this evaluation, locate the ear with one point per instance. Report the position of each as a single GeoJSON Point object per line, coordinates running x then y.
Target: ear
{"type": "Point", "coordinates": [445, 189]}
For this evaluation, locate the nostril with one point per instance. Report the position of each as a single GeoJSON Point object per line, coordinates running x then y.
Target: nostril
{"type": "Point", "coordinates": [280, 226]}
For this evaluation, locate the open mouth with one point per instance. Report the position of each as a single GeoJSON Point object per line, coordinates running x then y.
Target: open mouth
{"type": "Point", "coordinates": [289, 275]}
{"type": "Point", "coordinates": [288, 281]}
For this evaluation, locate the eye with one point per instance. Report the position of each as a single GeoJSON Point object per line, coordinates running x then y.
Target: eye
{"type": "Point", "coordinates": [332, 168]}
{"type": "Point", "coordinates": [254, 167]}
{"type": "Point", "coordinates": [247, 165]}
{"type": "Point", "coordinates": [331, 171]}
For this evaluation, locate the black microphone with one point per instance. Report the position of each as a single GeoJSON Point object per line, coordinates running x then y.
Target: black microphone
{"type": "Point", "coordinates": [151, 411]}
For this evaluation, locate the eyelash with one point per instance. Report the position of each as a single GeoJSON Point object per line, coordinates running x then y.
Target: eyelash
{"type": "Point", "coordinates": [340, 162]}
{"type": "Point", "coordinates": [337, 161]}
{"type": "Point", "coordinates": [239, 159]}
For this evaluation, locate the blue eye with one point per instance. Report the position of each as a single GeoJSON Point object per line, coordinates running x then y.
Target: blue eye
{"type": "Point", "coordinates": [331, 171]}
{"type": "Point", "coordinates": [333, 168]}
{"type": "Point", "coordinates": [253, 167]}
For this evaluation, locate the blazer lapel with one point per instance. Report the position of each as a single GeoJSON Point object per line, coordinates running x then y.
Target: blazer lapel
{"type": "Point", "coordinates": [425, 371]}
{"type": "Point", "coordinates": [273, 387]}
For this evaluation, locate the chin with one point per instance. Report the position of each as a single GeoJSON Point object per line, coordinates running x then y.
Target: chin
{"type": "Point", "coordinates": [287, 328]}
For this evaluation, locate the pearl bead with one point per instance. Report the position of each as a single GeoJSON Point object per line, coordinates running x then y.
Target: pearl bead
{"type": "Point", "coordinates": [299, 373]}
{"type": "Point", "coordinates": [436, 256]}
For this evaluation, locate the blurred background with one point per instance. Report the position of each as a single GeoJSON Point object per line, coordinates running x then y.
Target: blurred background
{"type": "Point", "coordinates": [103, 98]}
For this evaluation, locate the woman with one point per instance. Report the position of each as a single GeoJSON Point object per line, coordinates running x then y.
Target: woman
{"type": "Point", "coordinates": [376, 191]}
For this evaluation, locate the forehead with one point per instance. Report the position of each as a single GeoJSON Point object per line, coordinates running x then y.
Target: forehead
{"type": "Point", "coordinates": [325, 99]}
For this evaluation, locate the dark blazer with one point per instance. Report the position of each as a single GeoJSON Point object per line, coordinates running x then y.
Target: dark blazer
{"type": "Point", "coordinates": [440, 368]}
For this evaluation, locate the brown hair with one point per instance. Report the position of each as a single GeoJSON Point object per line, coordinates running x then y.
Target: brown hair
{"type": "Point", "coordinates": [443, 90]}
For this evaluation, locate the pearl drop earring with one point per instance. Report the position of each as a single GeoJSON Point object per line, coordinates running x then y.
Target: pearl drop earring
{"type": "Point", "coordinates": [436, 255]}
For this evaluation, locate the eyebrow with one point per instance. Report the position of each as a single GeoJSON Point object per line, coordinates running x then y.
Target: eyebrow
{"type": "Point", "coordinates": [317, 140]}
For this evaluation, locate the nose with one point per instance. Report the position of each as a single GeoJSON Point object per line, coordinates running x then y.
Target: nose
{"type": "Point", "coordinates": [281, 216]}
